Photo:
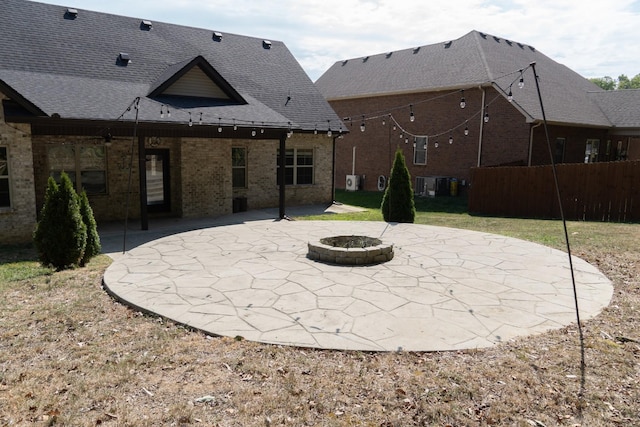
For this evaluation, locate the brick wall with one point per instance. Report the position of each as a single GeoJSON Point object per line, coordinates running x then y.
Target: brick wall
{"type": "Point", "coordinates": [575, 143]}
{"type": "Point", "coordinates": [506, 135]}
{"type": "Point", "coordinates": [18, 221]}
{"type": "Point", "coordinates": [200, 174]}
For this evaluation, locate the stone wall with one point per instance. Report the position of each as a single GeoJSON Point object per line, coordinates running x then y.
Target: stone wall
{"type": "Point", "coordinates": [17, 221]}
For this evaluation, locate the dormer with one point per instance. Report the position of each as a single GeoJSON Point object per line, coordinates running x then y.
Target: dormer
{"type": "Point", "coordinates": [195, 78]}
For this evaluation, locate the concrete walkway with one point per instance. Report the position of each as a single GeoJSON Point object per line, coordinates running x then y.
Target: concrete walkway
{"type": "Point", "coordinates": [446, 289]}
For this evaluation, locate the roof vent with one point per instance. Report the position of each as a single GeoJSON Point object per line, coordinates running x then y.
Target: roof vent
{"type": "Point", "coordinates": [71, 13]}
{"type": "Point", "coordinates": [416, 50]}
{"type": "Point", "coordinates": [483, 35]}
{"type": "Point", "coordinates": [124, 58]}
{"type": "Point", "coordinates": [266, 44]}
{"type": "Point", "coordinates": [388, 55]}
{"type": "Point", "coordinates": [447, 45]}
{"type": "Point", "coordinates": [496, 39]}
{"type": "Point", "coordinates": [509, 42]}
{"type": "Point", "coordinates": [344, 62]}
{"type": "Point", "coordinates": [217, 36]}
{"type": "Point", "coordinates": [533, 49]}
{"type": "Point", "coordinates": [146, 25]}
{"type": "Point", "coordinates": [521, 45]}
{"type": "Point", "coordinates": [365, 59]}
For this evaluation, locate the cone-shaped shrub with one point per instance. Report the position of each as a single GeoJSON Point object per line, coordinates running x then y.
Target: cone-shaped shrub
{"type": "Point", "coordinates": [60, 236]}
{"type": "Point", "coordinates": [93, 239]}
{"type": "Point", "coordinates": [397, 203]}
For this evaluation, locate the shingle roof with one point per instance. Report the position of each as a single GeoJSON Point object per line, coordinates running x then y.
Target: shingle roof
{"type": "Point", "coordinates": [70, 66]}
{"type": "Point", "coordinates": [622, 107]}
{"type": "Point", "coordinates": [475, 59]}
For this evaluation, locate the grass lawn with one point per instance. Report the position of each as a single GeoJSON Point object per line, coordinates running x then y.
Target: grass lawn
{"type": "Point", "coordinates": [70, 355]}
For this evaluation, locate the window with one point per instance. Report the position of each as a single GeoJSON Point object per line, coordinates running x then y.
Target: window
{"type": "Point", "coordinates": [420, 150]}
{"type": "Point", "coordinates": [239, 167]}
{"type": "Point", "coordinates": [591, 150]}
{"type": "Point", "coordinates": [5, 197]}
{"type": "Point", "coordinates": [298, 166]}
{"type": "Point", "coordinates": [559, 154]}
{"type": "Point", "coordinates": [84, 162]}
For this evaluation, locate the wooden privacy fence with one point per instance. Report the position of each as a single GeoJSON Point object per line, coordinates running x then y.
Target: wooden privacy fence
{"type": "Point", "coordinates": [591, 192]}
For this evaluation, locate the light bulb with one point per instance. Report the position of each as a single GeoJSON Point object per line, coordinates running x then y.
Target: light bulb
{"type": "Point", "coordinates": [521, 82]}
{"type": "Point", "coordinates": [451, 140]}
{"type": "Point", "coordinates": [329, 133]}
{"type": "Point", "coordinates": [162, 112]}
{"type": "Point", "coordinates": [362, 128]}
{"type": "Point", "coordinates": [253, 132]}
{"type": "Point", "coordinates": [436, 144]}
{"type": "Point", "coordinates": [466, 131]}
{"type": "Point", "coordinates": [510, 96]}
{"type": "Point", "coordinates": [486, 117]}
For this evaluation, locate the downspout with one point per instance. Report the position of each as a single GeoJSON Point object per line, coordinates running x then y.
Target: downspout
{"type": "Point", "coordinates": [484, 95]}
{"type": "Point", "coordinates": [531, 141]}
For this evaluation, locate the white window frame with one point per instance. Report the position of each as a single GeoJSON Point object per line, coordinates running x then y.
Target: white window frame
{"type": "Point", "coordinates": [420, 144]}
{"type": "Point", "coordinates": [591, 150]}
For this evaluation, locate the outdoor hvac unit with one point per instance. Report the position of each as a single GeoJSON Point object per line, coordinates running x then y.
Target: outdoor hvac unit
{"type": "Point", "coordinates": [353, 182]}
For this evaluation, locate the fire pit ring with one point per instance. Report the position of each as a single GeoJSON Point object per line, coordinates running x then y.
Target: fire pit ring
{"type": "Point", "coordinates": [350, 250]}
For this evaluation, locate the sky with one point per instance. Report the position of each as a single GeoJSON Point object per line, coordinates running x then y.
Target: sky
{"type": "Point", "coordinates": [593, 38]}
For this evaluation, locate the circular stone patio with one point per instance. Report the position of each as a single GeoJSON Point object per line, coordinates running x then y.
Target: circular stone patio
{"type": "Point", "coordinates": [445, 289]}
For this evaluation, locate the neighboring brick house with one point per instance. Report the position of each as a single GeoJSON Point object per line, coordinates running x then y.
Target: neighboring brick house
{"type": "Point", "coordinates": [204, 114]}
{"type": "Point", "coordinates": [412, 99]}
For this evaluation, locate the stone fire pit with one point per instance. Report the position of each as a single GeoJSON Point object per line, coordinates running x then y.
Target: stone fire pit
{"type": "Point", "coordinates": [350, 250]}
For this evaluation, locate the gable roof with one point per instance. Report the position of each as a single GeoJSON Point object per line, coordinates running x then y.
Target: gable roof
{"type": "Point", "coordinates": [71, 65]}
{"type": "Point", "coordinates": [475, 59]}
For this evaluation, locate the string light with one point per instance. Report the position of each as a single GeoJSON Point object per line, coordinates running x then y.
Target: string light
{"type": "Point", "coordinates": [289, 131]}
{"type": "Point", "coordinates": [521, 81]}
{"type": "Point", "coordinates": [436, 144]}
{"type": "Point", "coordinates": [412, 117]}
{"type": "Point", "coordinates": [219, 124]}
{"type": "Point", "coordinates": [463, 103]}
{"type": "Point", "coordinates": [315, 130]}
{"type": "Point", "coordinates": [262, 128]}
{"type": "Point", "coordinates": [329, 133]}
{"type": "Point", "coordinates": [450, 139]}
{"type": "Point", "coordinates": [466, 129]}
{"type": "Point", "coordinates": [510, 95]}
{"type": "Point", "coordinates": [200, 121]}
{"type": "Point", "coordinates": [486, 114]}
{"type": "Point", "coordinates": [362, 126]}
{"type": "Point", "coordinates": [190, 121]}
{"type": "Point", "coordinates": [235, 126]}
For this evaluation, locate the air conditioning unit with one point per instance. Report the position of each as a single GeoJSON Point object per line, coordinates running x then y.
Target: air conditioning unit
{"type": "Point", "coordinates": [353, 182]}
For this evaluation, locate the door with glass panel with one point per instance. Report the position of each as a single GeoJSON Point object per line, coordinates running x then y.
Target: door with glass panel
{"type": "Point", "coordinates": [158, 182]}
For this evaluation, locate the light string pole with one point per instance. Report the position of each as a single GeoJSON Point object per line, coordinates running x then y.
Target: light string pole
{"type": "Point", "coordinates": [566, 234]}
{"type": "Point", "coordinates": [136, 106]}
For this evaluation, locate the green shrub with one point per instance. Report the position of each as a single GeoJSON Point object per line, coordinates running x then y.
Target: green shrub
{"type": "Point", "coordinates": [397, 202]}
{"type": "Point", "coordinates": [60, 235]}
{"type": "Point", "coordinates": [93, 239]}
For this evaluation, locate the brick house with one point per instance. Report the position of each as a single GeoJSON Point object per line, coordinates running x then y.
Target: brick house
{"type": "Point", "coordinates": [412, 99]}
{"type": "Point", "coordinates": [208, 117]}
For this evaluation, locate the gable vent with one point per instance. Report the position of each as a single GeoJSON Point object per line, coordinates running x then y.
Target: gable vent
{"type": "Point", "coordinates": [266, 44]}
{"type": "Point", "coordinates": [146, 25]}
{"type": "Point", "coordinates": [71, 13]}
{"type": "Point", "coordinates": [217, 36]}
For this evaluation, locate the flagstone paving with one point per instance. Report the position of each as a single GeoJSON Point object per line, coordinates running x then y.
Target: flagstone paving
{"type": "Point", "coordinates": [445, 289]}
